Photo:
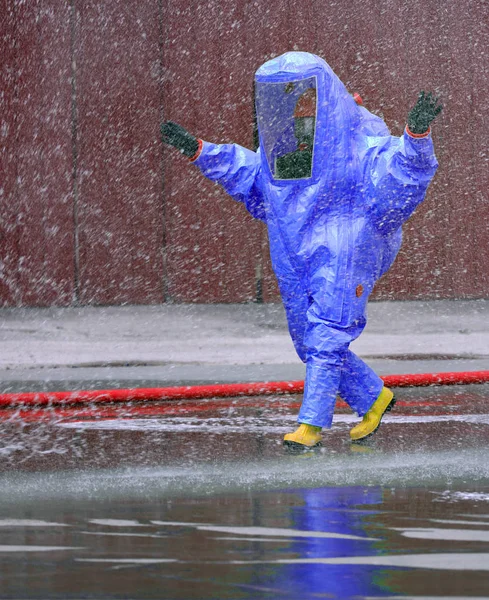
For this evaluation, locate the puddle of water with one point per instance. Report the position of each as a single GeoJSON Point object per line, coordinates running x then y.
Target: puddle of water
{"type": "Point", "coordinates": [323, 542]}
{"type": "Point", "coordinates": [206, 505]}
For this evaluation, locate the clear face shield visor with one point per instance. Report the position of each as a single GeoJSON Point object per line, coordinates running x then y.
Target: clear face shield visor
{"type": "Point", "coordinates": [286, 116]}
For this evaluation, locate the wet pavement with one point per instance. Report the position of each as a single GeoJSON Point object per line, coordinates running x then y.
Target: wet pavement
{"type": "Point", "coordinates": [197, 499]}
{"type": "Point", "coordinates": [100, 347]}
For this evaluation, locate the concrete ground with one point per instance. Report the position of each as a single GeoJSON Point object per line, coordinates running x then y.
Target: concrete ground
{"type": "Point", "coordinates": [93, 347]}
{"type": "Point", "coordinates": [199, 500]}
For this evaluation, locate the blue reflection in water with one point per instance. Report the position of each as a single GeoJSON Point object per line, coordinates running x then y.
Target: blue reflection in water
{"type": "Point", "coordinates": [332, 510]}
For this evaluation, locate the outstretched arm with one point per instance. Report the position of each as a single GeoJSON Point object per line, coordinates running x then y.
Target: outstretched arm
{"type": "Point", "coordinates": [230, 165]}
{"type": "Point", "coordinates": [399, 170]}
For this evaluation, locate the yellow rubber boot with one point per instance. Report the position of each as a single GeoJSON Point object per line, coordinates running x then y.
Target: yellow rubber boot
{"type": "Point", "coordinates": [303, 438]}
{"type": "Point", "coordinates": [371, 421]}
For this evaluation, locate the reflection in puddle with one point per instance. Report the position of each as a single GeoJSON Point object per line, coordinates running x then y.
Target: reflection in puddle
{"type": "Point", "coordinates": [334, 542]}
{"type": "Point", "coordinates": [22, 549]}
{"type": "Point", "coordinates": [247, 531]}
{"type": "Point", "coordinates": [28, 523]}
{"type": "Point", "coordinates": [117, 505]}
{"type": "Point", "coordinates": [223, 426]}
{"type": "Point", "coordinates": [432, 533]}
{"type": "Point", "coordinates": [452, 561]}
{"type": "Point", "coordinates": [455, 496]}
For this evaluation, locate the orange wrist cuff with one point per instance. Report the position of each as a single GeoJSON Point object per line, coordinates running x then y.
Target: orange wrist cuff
{"type": "Point", "coordinates": [199, 150]}
{"type": "Point", "coordinates": [418, 135]}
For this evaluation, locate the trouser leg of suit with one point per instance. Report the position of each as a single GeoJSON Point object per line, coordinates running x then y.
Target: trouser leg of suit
{"type": "Point", "coordinates": [296, 303]}
{"type": "Point", "coordinates": [321, 388]}
{"type": "Point", "coordinates": [334, 369]}
{"type": "Point", "coordinates": [359, 385]}
{"type": "Point", "coordinates": [328, 348]}
{"type": "Point", "coordinates": [322, 380]}
{"type": "Point", "coordinates": [338, 370]}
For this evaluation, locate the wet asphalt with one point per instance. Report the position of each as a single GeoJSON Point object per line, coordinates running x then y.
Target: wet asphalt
{"type": "Point", "coordinates": [198, 499]}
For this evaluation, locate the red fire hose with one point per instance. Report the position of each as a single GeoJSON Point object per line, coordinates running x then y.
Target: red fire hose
{"type": "Point", "coordinates": [38, 399]}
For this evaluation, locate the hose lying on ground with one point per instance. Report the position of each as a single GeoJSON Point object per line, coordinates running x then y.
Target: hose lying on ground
{"type": "Point", "coordinates": [227, 390]}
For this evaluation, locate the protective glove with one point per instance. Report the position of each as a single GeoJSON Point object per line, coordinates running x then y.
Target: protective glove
{"type": "Point", "coordinates": [177, 136]}
{"type": "Point", "coordinates": [423, 113]}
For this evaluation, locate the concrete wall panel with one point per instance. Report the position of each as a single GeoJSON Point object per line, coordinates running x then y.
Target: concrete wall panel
{"type": "Point", "coordinates": [95, 210]}
{"type": "Point", "coordinates": [119, 195]}
{"type": "Point", "coordinates": [213, 245]}
{"type": "Point", "coordinates": [37, 238]}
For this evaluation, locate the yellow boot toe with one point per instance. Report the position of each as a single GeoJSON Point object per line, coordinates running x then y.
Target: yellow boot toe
{"type": "Point", "coordinates": [303, 438]}
{"type": "Point", "coordinates": [371, 421]}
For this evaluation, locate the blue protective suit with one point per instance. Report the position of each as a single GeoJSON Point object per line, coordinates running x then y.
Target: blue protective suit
{"type": "Point", "coordinates": [332, 234]}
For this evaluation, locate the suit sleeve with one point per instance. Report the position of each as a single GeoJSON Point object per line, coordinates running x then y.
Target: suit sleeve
{"type": "Point", "coordinates": [398, 172]}
{"type": "Point", "coordinates": [237, 170]}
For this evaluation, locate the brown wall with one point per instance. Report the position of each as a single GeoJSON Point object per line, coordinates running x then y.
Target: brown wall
{"type": "Point", "coordinates": [95, 211]}
{"type": "Point", "coordinates": [36, 192]}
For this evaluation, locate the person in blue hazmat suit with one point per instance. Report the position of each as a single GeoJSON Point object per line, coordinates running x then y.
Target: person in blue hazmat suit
{"type": "Point", "coordinates": [334, 188]}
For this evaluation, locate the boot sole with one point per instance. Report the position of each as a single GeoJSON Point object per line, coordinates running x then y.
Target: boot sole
{"type": "Point", "coordinates": [388, 408]}
{"type": "Point", "coordinates": [296, 448]}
